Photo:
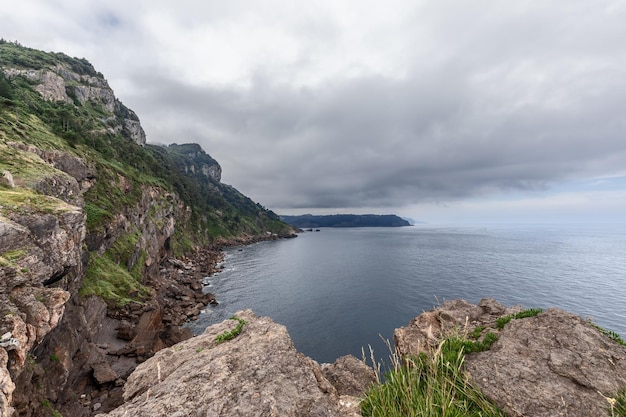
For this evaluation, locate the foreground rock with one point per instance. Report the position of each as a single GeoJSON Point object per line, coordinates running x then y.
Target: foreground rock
{"type": "Point", "coordinates": [553, 364]}
{"type": "Point", "coordinates": [258, 373]}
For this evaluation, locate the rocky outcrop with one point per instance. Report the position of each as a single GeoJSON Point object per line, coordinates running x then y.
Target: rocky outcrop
{"type": "Point", "coordinates": [39, 249]}
{"type": "Point", "coordinates": [552, 364]}
{"type": "Point", "coordinates": [258, 372]}
{"type": "Point", "coordinates": [425, 331]}
{"type": "Point", "coordinates": [63, 84]}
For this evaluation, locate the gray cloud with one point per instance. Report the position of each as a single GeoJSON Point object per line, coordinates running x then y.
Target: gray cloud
{"type": "Point", "coordinates": [332, 107]}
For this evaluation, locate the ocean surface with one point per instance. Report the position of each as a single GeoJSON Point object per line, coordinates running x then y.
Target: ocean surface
{"type": "Point", "coordinates": [341, 290]}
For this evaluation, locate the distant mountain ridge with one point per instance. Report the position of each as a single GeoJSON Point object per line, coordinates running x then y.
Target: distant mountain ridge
{"type": "Point", "coordinates": [345, 220]}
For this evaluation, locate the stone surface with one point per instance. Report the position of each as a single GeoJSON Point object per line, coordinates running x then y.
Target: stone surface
{"type": "Point", "coordinates": [7, 179]}
{"type": "Point", "coordinates": [349, 376]}
{"type": "Point", "coordinates": [6, 386]}
{"type": "Point", "coordinates": [553, 364]}
{"type": "Point", "coordinates": [103, 373]}
{"type": "Point", "coordinates": [425, 330]}
{"type": "Point", "coordinates": [258, 373]}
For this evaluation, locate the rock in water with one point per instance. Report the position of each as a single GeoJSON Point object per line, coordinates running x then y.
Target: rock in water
{"type": "Point", "coordinates": [257, 373]}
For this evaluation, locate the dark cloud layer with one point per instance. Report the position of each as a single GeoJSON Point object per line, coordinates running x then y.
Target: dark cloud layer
{"type": "Point", "coordinates": [363, 105]}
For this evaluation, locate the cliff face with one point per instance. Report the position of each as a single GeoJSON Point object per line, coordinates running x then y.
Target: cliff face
{"type": "Point", "coordinates": [91, 218]}
{"type": "Point", "coordinates": [60, 83]}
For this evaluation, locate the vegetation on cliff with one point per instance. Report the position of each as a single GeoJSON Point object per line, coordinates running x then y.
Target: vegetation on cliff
{"type": "Point", "coordinates": [51, 105]}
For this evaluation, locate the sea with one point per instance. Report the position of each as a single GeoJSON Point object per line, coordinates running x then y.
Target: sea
{"type": "Point", "coordinates": [343, 291]}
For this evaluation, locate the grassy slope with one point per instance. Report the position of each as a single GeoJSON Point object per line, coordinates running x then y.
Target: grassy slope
{"type": "Point", "coordinates": [216, 210]}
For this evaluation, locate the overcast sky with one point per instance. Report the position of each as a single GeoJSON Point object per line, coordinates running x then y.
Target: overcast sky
{"type": "Point", "coordinates": [443, 111]}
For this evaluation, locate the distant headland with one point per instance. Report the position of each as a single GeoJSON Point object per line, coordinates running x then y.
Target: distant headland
{"type": "Point", "coordinates": [345, 220]}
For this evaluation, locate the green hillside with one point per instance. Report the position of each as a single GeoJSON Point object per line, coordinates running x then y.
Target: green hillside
{"type": "Point", "coordinates": [95, 130]}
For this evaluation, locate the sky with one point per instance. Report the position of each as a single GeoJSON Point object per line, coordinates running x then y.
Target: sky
{"type": "Point", "coordinates": [442, 111]}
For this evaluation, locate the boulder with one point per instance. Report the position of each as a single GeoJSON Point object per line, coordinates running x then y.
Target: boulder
{"type": "Point", "coordinates": [425, 330]}
{"type": "Point", "coordinates": [103, 373]}
{"type": "Point", "coordinates": [553, 364]}
{"type": "Point", "coordinates": [258, 372]}
{"type": "Point", "coordinates": [349, 376]}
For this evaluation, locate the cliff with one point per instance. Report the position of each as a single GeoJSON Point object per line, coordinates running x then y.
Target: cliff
{"type": "Point", "coordinates": [540, 364]}
{"type": "Point", "coordinates": [256, 372]}
{"type": "Point", "coordinates": [104, 239]}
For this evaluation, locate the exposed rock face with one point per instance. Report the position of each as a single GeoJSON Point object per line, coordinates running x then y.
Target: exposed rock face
{"type": "Point", "coordinates": [259, 372]}
{"type": "Point", "coordinates": [61, 83]}
{"type": "Point", "coordinates": [48, 250]}
{"type": "Point", "coordinates": [554, 364]}
{"type": "Point", "coordinates": [349, 375]}
{"type": "Point", "coordinates": [6, 386]}
{"type": "Point", "coordinates": [425, 330]}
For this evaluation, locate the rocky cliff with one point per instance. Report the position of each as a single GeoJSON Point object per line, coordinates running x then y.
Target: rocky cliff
{"type": "Point", "coordinates": [548, 364]}
{"type": "Point", "coordinates": [542, 364]}
{"type": "Point", "coordinates": [104, 239]}
{"type": "Point", "coordinates": [257, 372]}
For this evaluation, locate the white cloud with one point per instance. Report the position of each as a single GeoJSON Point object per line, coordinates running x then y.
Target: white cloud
{"type": "Point", "coordinates": [364, 104]}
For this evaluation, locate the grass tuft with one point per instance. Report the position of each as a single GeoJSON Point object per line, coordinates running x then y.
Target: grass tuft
{"type": "Point", "coordinates": [112, 282]}
{"type": "Point", "coordinates": [618, 409]}
{"type": "Point", "coordinates": [610, 334]}
{"type": "Point", "coordinates": [228, 335]}
{"type": "Point", "coordinates": [502, 321]}
{"type": "Point", "coordinates": [431, 385]}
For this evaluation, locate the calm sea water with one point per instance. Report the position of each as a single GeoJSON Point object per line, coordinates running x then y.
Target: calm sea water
{"type": "Point", "coordinates": [339, 290]}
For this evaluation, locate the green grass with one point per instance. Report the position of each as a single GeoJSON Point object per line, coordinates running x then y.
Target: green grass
{"type": "Point", "coordinates": [13, 255]}
{"type": "Point", "coordinates": [502, 321]}
{"type": "Point", "coordinates": [432, 385]}
{"type": "Point", "coordinates": [48, 405]}
{"type": "Point", "coordinates": [435, 384]}
{"type": "Point", "coordinates": [114, 283]}
{"type": "Point", "coordinates": [228, 335]}
{"type": "Point", "coordinates": [25, 201]}
{"type": "Point", "coordinates": [610, 334]}
{"type": "Point", "coordinates": [475, 334]}
{"type": "Point", "coordinates": [618, 409]}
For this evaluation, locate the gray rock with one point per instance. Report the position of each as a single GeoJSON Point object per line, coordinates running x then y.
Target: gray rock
{"type": "Point", "coordinates": [554, 364]}
{"type": "Point", "coordinates": [258, 373]}
{"type": "Point", "coordinates": [103, 373]}
{"type": "Point", "coordinates": [349, 376]}
{"type": "Point", "coordinates": [7, 179]}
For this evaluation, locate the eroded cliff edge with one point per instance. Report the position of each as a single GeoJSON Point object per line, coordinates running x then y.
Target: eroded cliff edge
{"type": "Point", "coordinates": [552, 363]}
{"type": "Point", "coordinates": [104, 239]}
